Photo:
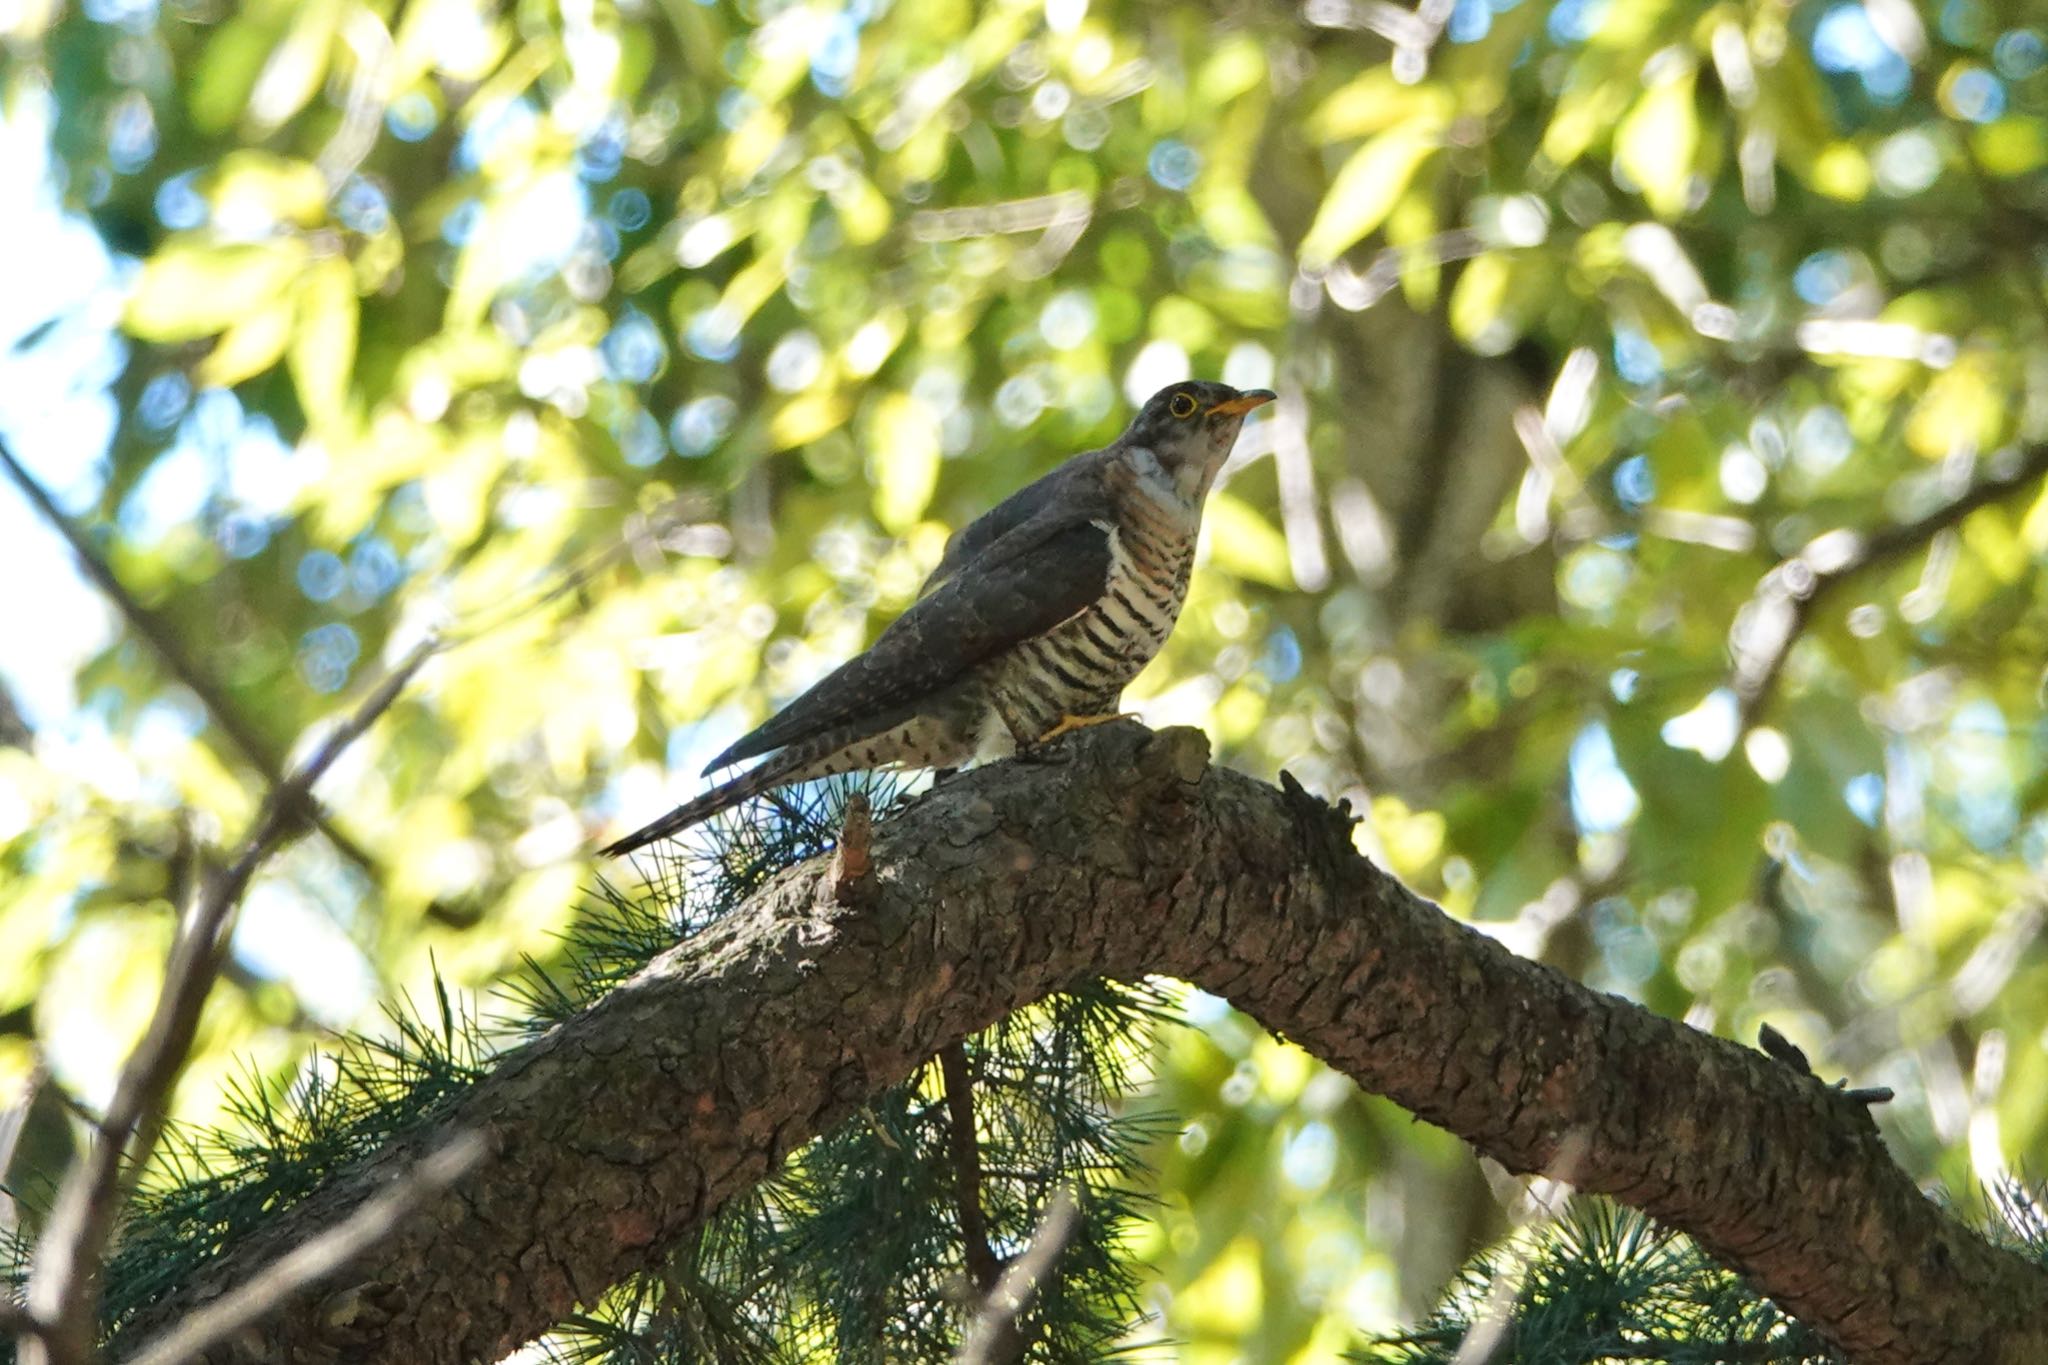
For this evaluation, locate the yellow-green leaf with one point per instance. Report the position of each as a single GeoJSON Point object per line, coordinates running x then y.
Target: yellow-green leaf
{"type": "Point", "coordinates": [863, 211]}
{"type": "Point", "coordinates": [197, 288]}
{"type": "Point", "coordinates": [1367, 188]}
{"type": "Point", "coordinates": [1243, 543]}
{"type": "Point", "coordinates": [903, 451]}
{"type": "Point", "coordinates": [1371, 101]}
{"type": "Point", "coordinates": [2012, 146]}
{"type": "Point", "coordinates": [218, 85]}
{"type": "Point", "coordinates": [805, 418]}
{"type": "Point", "coordinates": [1655, 144]}
{"type": "Point", "coordinates": [294, 70]}
{"type": "Point", "coordinates": [323, 347]}
{"type": "Point", "coordinates": [257, 185]}
{"type": "Point", "coordinates": [249, 347]}
{"type": "Point", "coordinates": [1480, 296]}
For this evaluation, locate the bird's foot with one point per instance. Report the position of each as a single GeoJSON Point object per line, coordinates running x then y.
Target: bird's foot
{"type": "Point", "coordinates": [1068, 724]}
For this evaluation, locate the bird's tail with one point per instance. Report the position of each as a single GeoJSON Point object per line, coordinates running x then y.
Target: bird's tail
{"type": "Point", "coordinates": [799, 763]}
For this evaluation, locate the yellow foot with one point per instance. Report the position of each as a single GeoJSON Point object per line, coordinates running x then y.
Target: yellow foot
{"type": "Point", "coordinates": [1068, 724]}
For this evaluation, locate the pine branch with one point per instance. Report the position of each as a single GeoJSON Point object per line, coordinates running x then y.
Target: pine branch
{"type": "Point", "coordinates": [627, 1126]}
{"type": "Point", "coordinates": [311, 1262]}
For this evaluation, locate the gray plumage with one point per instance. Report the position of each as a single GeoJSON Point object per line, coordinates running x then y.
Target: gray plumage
{"type": "Point", "coordinates": [1038, 614]}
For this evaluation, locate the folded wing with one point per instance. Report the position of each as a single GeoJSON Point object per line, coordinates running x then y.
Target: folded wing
{"type": "Point", "coordinates": [1025, 580]}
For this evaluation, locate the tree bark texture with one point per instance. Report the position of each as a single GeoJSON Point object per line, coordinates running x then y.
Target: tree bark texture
{"type": "Point", "coordinates": [1121, 852]}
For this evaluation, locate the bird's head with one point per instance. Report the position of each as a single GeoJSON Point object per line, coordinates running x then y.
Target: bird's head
{"type": "Point", "coordinates": [1190, 427]}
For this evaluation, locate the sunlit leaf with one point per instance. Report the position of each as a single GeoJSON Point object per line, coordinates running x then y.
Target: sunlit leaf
{"type": "Point", "coordinates": [903, 452]}
{"type": "Point", "coordinates": [1368, 186]}
{"type": "Point", "coordinates": [1841, 171]}
{"type": "Point", "coordinates": [295, 66]}
{"type": "Point", "coordinates": [256, 186]}
{"type": "Point", "coordinates": [1481, 295]}
{"type": "Point", "coordinates": [1962, 409]}
{"type": "Point", "coordinates": [193, 287]}
{"type": "Point", "coordinates": [228, 66]}
{"type": "Point", "coordinates": [2012, 146]}
{"type": "Point", "coordinates": [805, 418]}
{"type": "Point", "coordinates": [1243, 543]}
{"type": "Point", "coordinates": [1654, 145]}
{"type": "Point", "coordinates": [1369, 102]}
{"type": "Point", "coordinates": [323, 345]}
{"type": "Point", "coordinates": [250, 346]}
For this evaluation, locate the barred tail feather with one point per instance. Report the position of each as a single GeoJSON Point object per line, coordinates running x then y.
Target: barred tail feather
{"type": "Point", "coordinates": [791, 765]}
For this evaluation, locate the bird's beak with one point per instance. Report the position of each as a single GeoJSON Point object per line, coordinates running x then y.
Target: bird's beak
{"type": "Point", "coordinates": [1244, 402]}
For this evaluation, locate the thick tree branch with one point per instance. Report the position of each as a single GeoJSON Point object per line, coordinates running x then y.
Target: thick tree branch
{"type": "Point", "coordinates": [1123, 853]}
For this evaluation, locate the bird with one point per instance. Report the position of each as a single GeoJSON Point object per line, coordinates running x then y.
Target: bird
{"type": "Point", "coordinates": [1038, 614]}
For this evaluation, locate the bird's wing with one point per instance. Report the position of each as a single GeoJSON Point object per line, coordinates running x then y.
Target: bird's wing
{"type": "Point", "coordinates": [1026, 581]}
{"type": "Point", "coordinates": [1073, 480]}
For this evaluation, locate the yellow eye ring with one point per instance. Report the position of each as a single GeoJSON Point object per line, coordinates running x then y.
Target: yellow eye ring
{"type": "Point", "coordinates": [1182, 405]}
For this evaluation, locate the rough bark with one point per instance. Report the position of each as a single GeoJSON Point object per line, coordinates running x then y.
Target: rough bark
{"type": "Point", "coordinates": [1123, 853]}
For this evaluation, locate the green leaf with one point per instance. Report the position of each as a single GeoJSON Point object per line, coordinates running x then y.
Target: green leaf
{"type": "Point", "coordinates": [2013, 146]}
{"type": "Point", "coordinates": [197, 288]}
{"type": "Point", "coordinates": [1655, 144]}
{"type": "Point", "coordinates": [1674, 842]}
{"type": "Point", "coordinates": [903, 450]}
{"type": "Point", "coordinates": [256, 184]}
{"type": "Point", "coordinates": [1243, 543]}
{"type": "Point", "coordinates": [1367, 188]}
{"type": "Point", "coordinates": [323, 348]}
{"type": "Point", "coordinates": [248, 348]}
{"type": "Point", "coordinates": [218, 86]}
{"type": "Point", "coordinates": [292, 75]}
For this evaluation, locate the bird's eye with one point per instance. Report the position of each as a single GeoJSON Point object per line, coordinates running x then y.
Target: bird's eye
{"type": "Point", "coordinates": [1183, 405]}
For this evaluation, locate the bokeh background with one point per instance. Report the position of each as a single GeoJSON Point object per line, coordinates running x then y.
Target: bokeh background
{"type": "Point", "coordinates": [661, 344]}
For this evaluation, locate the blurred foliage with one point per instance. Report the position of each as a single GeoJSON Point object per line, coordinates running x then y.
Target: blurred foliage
{"type": "Point", "coordinates": [1593, 320]}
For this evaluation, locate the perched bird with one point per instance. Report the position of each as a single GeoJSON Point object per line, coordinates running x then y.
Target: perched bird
{"type": "Point", "coordinates": [1036, 617]}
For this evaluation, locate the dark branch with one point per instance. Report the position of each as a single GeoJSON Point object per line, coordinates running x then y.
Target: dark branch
{"type": "Point", "coordinates": [619, 1132]}
{"type": "Point", "coordinates": [982, 1266]}
{"type": "Point", "coordinates": [61, 1297]}
{"type": "Point", "coordinates": [997, 1335]}
{"type": "Point", "coordinates": [256, 749]}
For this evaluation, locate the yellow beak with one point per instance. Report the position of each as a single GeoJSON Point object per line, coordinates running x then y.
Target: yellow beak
{"type": "Point", "coordinates": [1244, 402]}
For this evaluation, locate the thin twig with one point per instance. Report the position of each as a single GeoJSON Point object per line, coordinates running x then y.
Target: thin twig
{"type": "Point", "coordinates": [997, 1336]}
{"type": "Point", "coordinates": [1496, 1318]}
{"type": "Point", "coordinates": [61, 1297]}
{"type": "Point", "coordinates": [13, 1121]}
{"type": "Point", "coordinates": [259, 752]}
{"type": "Point", "coordinates": [372, 1221]}
{"type": "Point", "coordinates": [982, 1266]}
{"type": "Point", "coordinates": [1789, 595]}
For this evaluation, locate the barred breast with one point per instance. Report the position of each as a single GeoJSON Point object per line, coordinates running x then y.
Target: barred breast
{"type": "Point", "coordinates": [1082, 666]}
